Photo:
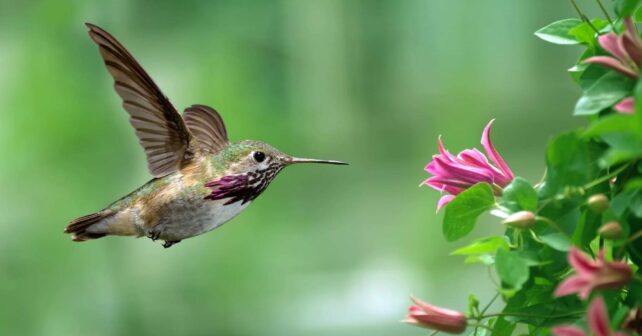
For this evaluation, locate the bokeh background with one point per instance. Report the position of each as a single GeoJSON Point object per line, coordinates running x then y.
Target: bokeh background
{"type": "Point", "coordinates": [326, 250]}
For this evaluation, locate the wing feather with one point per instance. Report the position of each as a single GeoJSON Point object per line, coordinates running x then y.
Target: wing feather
{"type": "Point", "coordinates": [207, 126]}
{"type": "Point", "coordinates": [159, 127]}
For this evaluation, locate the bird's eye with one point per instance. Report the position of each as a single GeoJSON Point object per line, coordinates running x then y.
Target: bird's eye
{"type": "Point", "coordinates": [259, 156]}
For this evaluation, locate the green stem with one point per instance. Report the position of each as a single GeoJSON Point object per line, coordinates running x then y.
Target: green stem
{"type": "Point", "coordinates": [606, 13]}
{"type": "Point", "coordinates": [631, 239]}
{"type": "Point", "coordinates": [481, 326]}
{"type": "Point", "coordinates": [489, 303]}
{"type": "Point", "coordinates": [535, 237]}
{"type": "Point", "coordinates": [605, 177]}
{"type": "Point", "coordinates": [535, 315]}
{"type": "Point", "coordinates": [583, 17]}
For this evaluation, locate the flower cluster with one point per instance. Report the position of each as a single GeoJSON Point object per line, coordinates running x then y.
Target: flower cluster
{"type": "Point", "coordinates": [576, 232]}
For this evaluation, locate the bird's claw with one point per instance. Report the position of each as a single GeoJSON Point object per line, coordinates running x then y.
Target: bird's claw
{"type": "Point", "coordinates": [169, 243]}
{"type": "Point", "coordinates": [154, 234]}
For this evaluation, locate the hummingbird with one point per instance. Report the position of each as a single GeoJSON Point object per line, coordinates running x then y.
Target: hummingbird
{"type": "Point", "coordinates": [200, 180]}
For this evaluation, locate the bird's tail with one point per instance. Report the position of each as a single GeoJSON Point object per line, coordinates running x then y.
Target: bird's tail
{"type": "Point", "coordinates": [89, 226]}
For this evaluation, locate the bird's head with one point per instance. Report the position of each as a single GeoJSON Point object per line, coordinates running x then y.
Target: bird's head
{"type": "Point", "coordinates": [249, 167]}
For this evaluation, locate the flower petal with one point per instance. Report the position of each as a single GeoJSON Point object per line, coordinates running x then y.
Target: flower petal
{"type": "Point", "coordinates": [610, 42]}
{"type": "Point", "coordinates": [612, 63]}
{"type": "Point", "coordinates": [444, 200]}
{"type": "Point", "coordinates": [581, 262]}
{"type": "Point", "coordinates": [597, 317]}
{"type": "Point", "coordinates": [493, 154]}
{"type": "Point", "coordinates": [573, 284]}
{"type": "Point", "coordinates": [632, 42]}
{"type": "Point", "coordinates": [626, 105]}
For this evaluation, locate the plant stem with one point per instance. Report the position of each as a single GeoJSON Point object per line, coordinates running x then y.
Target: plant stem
{"type": "Point", "coordinates": [606, 13]}
{"type": "Point", "coordinates": [535, 237]}
{"type": "Point", "coordinates": [631, 239]}
{"type": "Point", "coordinates": [481, 326]}
{"type": "Point", "coordinates": [489, 303]}
{"type": "Point", "coordinates": [534, 315]}
{"type": "Point", "coordinates": [583, 17]}
{"type": "Point", "coordinates": [605, 177]}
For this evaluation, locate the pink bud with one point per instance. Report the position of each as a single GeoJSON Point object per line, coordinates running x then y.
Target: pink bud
{"type": "Point", "coordinates": [520, 220]}
{"type": "Point", "coordinates": [428, 316]}
{"type": "Point", "coordinates": [610, 230]}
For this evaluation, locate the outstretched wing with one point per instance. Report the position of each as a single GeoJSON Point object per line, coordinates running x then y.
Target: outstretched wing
{"type": "Point", "coordinates": [159, 127]}
{"type": "Point", "coordinates": [207, 127]}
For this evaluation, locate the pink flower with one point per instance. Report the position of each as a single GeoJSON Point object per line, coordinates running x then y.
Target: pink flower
{"type": "Point", "coordinates": [454, 174]}
{"type": "Point", "coordinates": [598, 321]}
{"type": "Point", "coordinates": [591, 274]}
{"type": "Point", "coordinates": [626, 51]}
{"type": "Point", "coordinates": [436, 318]}
{"type": "Point", "coordinates": [626, 105]}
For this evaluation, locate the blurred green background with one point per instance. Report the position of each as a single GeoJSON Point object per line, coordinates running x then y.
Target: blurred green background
{"type": "Point", "coordinates": [326, 250]}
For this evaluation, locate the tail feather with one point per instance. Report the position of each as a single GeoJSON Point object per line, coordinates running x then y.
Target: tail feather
{"type": "Point", "coordinates": [78, 228]}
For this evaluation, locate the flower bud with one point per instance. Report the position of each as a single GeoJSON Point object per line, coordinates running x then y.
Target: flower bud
{"type": "Point", "coordinates": [598, 203]}
{"type": "Point", "coordinates": [441, 319]}
{"type": "Point", "coordinates": [610, 230]}
{"type": "Point", "coordinates": [520, 220]}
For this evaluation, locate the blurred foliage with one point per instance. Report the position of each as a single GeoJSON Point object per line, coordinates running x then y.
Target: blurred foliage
{"type": "Point", "coordinates": [325, 250]}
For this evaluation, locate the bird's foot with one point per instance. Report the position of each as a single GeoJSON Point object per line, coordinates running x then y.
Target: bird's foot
{"type": "Point", "coordinates": [154, 233]}
{"type": "Point", "coordinates": [169, 243]}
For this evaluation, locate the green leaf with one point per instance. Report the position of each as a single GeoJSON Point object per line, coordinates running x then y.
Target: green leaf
{"type": "Point", "coordinates": [462, 212]}
{"type": "Point", "coordinates": [511, 268]}
{"type": "Point", "coordinates": [557, 241]}
{"type": "Point", "coordinates": [604, 93]}
{"type": "Point", "coordinates": [569, 161]}
{"type": "Point", "coordinates": [623, 133]}
{"type": "Point", "coordinates": [626, 7]}
{"type": "Point", "coordinates": [484, 259]}
{"type": "Point", "coordinates": [558, 32]}
{"type": "Point", "coordinates": [520, 195]}
{"type": "Point", "coordinates": [633, 184]}
{"type": "Point", "coordinates": [484, 245]}
{"type": "Point", "coordinates": [501, 327]}
{"type": "Point", "coordinates": [638, 15]}
{"type": "Point", "coordinates": [586, 229]}
{"type": "Point", "coordinates": [584, 33]}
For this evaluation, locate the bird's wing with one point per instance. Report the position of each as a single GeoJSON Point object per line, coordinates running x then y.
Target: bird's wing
{"type": "Point", "coordinates": [159, 127]}
{"type": "Point", "coordinates": [207, 127]}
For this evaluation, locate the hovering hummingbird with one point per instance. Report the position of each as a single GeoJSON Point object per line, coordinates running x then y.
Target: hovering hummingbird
{"type": "Point", "coordinates": [201, 180]}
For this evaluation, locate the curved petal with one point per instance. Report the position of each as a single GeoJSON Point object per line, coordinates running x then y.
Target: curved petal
{"type": "Point", "coordinates": [580, 262]}
{"type": "Point", "coordinates": [597, 317]}
{"type": "Point", "coordinates": [632, 42]}
{"type": "Point", "coordinates": [444, 200]}
{"type": "Point", "coordinates": [493, 154]}
{"type": "Point", "coordinates": [573, 284]}
{"type": "Point", "coordinates": [612, 63]}
{"type": "Point", "coordinates": [610, 43]}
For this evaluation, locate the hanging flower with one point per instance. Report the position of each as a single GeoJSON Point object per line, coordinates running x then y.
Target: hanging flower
{"type": "Point", "coordinates": [428, 316]}
{"type": "Point", "coordinates": [625, 50]}
{"type": "Point", "coordinates": [454, 174]}
{"type": "Point", "coordinates": [591, 274]}
{"type": "Point", "coordinates": [598, 321]}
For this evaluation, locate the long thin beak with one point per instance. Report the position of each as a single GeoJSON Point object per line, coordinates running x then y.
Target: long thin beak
{"type": "Point", "coordinates": [294, 160]}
